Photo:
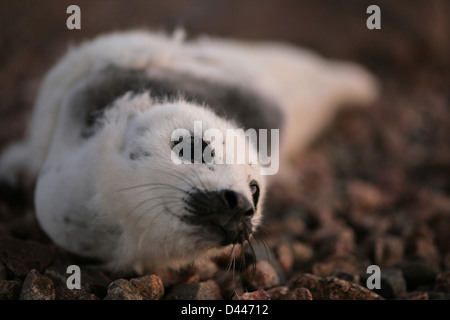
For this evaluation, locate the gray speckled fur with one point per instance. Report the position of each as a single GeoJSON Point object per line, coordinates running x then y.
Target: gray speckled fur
{"type": "Point", "coordinates": [243, 105]}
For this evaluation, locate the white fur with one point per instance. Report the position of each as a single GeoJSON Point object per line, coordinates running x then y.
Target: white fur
{"type": "Point", "coordinates": [86, 194]}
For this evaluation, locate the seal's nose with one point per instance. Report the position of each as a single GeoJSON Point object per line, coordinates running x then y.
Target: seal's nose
{"type": "Point", "coordinates": [226, 213]}
{"type": "Point", "coordinates": [237, 202]}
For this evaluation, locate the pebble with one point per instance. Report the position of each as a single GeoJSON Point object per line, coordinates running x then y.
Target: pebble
{"type": "Point", "coordinates": [37, 287]}
{"type": "Point", "coordinates": [414, 295]}
{"type": "Point", "coordinates": [255, 295]}
{"type": "Point", "coordinates": [388, 251]}
{"type": "Point", "coordinates": [285, 258]}
{"type": "Point", "coordinates": [93, 282]}
{"type": "Point", "coordinates": [337, 289]}
{"type": "Point", "coordinates": [364, 196]}
{"type": "Point", "coordinates": [338, 265]}
{"type": "Point", "coordinates": [266, 253]}
{"type": "Point", "coordinates": [122, 289]}
{"type": "Point", "coordinates": [306, 280]}
{"type": "Point", "coordinates": [170, 277]}
{"type": "Point", "coordinates": [293, 225]}
{"type": "Point", "coordinates": [9, 289]}
{"type": "Point", "coordinates": [207, 269]}
{"type": "Point", "coordinates": [343, 242]}
{"type": "Point", "coordinates": [263, 276]}
{"type": "Point", "coordinates": [421, 243]}
{"type": "Point", "coordinates": [446, 260]}
{"type": "Point", "coordinates": [20, 256]}
{"type": "Point", "coordinates": [392, 283]}
{"type": "Point", "coordinates": [3, 271]}
{"type": "Point", "coordinates": [302, 253]}
{"type": "Point", "coordinates": [437, 295]}
{"type": "Point", "coordinates": [278, 292]}
{"type": "Point", "coordinates": [440, 228]}
{"type": "Point", "coordinates": [64, 293]}
{"type": "Point", "coordinates": [442, 282]}
{"type": "Point", "coordinates": [332, 288]}
{"type": "Point", "coordinates": [229, 283]}
{"type": "Point", "coordinates": [347, 276]}
{"type": "Point", "coordinates": [96, 281]}
{"type": "Point", "coordinates": [57, 275]}
{"type": "Point", "coordinates": [206, 290]}
{"type": "Point", "coordinates": [299, 294]}
{"type": "Point", "coordinates": [419, 271]}
{"type": "Point", "coordinates": [150, 287]}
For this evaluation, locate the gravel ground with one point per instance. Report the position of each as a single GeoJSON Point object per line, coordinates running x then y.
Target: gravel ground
{"type": "Point", "coordinates": [373, 189]}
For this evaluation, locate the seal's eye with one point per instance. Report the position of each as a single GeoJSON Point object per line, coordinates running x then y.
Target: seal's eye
{"type": "Point", "coordinates": [254, 188]}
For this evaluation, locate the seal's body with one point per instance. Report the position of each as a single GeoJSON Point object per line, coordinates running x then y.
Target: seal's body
{"type": "Point", "coordinates": [100, 142]}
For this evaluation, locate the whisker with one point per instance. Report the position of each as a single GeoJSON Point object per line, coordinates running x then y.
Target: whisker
{"type": "Point", "coordinates": [253, 258]}
{"type": "Point", "coordinates": [173, 199]}
{"type": "Point", "coordinates": [185, 179]}
{"type": "Point", "coordinates": [158, 185]}
{"type": "Point", "coordinates": [230, 258]}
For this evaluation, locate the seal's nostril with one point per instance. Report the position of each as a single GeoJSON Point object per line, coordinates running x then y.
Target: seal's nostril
{"type": "Point", "coordinates": [231, 198]}
{"type": "Point", "coordinates": [249, 213]}
{"type": "Point", "coordinates": [237, 202]}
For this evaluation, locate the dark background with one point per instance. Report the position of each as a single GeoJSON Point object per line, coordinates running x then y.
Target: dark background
{"type": "Point", "coordinates": [373, 188]}
{"type": "Point", "coordinates": [414, 36]}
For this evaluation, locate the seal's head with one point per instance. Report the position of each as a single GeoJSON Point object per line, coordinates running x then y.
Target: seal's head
{"type": "Point", "coordinates": [172, 207]}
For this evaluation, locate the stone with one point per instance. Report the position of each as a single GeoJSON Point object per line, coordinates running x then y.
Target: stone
{"type": "Point", "coordinates": [438, 295]}
{"type": "Point", "coordinates": [150, 287]}
{"type": "Point", "coordinates": [37, 287]}
{"type": "Point", "coordinates": [339, 265]}
{"type": "Point", "coordinates": [263, 276]}
{"type": "Point", "coordinates": [347, 276]}
{"type": "Point", "coordinates": [20, 256]}
{"type": "Point", "coordinates": [442, 282]}
{"type": "Point", "coordinates": [285, 258]}
{"type": "Point", "coordinates": [413, 295]}
{"type": "Point", "coordinates": [392, 283]}
{"type": "Point", "coordinates": [3, 272]}
{"type": "Point", "coordinates": [229, 283]}
{"type": "Point", "coordinates": [302, 253]}
{"type": "Point", "coordinates": [420, 242]}
{"type": "Point", "coordinates": [299, 294]}
{"type": "Point", "coordinates": [278, 292]}
{"type": "Point", "coordinates": [122, 289]}
{"type": "Point", "coordinates": [363, 195]}
{"type": "Point", "coordinates": [9, 289]}
{"type": "Point", "coordinates": [57, 274]}
{"type": "Point", "coordinates": [206, 290]}
{"type": "Point", "coordinates": [255, 295]}
{"type": "Point", "coordinates": [343, 242]}
{"type": "Point", "coordinates": [388, 251]}
{"type": "Point", "coordinates": [171, 277]}
{"type": "Point", "coordinates": [306, 280]}
{"type": "Point", "coordinates": [331, 288]}
{"type": "Point", "coordinates": [207, 269]}
{"type": "Point", "coordinates": [419, 271]}
{"type": "Point", "coordinates": [95, 281]}
{"type": "Point", "coordinates": [446, 261]}
{"type": "Point", "coordinates": [337, 289]}
{"type": "Point", "coordinates": [64, 293]}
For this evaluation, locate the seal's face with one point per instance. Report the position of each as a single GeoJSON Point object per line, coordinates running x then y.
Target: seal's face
{"type": "Point", "coordinates": [173, 212]}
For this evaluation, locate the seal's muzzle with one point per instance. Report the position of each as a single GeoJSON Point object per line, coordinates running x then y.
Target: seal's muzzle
{"type": "Point", "coordinates": [225, 213]}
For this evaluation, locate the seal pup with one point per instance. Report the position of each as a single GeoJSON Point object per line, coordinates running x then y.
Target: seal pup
{"type": "Point", "coordinates": [99, 141]}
